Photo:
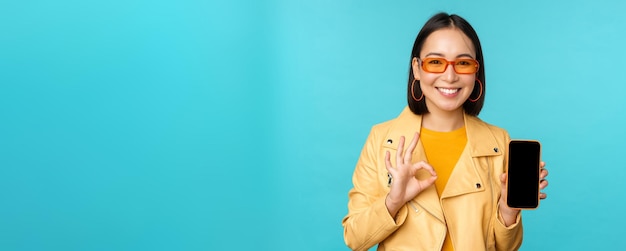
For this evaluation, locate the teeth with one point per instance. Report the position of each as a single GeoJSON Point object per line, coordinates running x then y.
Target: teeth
{"type": "Point", "coordinates": [448, 91]}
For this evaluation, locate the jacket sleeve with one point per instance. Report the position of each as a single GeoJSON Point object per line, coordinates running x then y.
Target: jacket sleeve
{"type": "Point", "coordinates": [368, 221]}
{"type": "Point", "coordinates": [507, 238]}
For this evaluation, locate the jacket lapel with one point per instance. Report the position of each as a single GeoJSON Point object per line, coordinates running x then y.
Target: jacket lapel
{"type": "Point", "coordinates": [465, 177]}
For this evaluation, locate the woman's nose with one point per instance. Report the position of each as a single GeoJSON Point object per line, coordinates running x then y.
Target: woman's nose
{"type": "Point", "coordinates": [450, 75]}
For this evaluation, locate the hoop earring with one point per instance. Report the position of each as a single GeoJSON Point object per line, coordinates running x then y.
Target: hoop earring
{"type": "Point", "coordinates": [413, 92]}
{"type": "Point", "coordinates": [480, 93]}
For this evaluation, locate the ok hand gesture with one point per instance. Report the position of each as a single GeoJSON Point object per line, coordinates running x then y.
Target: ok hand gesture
{"type": "Point", "coordinates": [405, 185]}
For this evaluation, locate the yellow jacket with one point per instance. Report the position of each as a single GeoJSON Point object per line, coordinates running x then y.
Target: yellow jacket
{"type": "Point", "coordinates": [469, 201]}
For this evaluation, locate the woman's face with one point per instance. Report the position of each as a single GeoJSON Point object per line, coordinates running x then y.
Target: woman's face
{"type": "Point", "coordinates": [445, 91]}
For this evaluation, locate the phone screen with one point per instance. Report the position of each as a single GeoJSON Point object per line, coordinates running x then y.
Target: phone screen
{"type": "Point", "coordinates": [523, 174]}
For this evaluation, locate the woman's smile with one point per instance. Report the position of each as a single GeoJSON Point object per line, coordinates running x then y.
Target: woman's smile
{"type": "Point", "coordinates": [448, 92]}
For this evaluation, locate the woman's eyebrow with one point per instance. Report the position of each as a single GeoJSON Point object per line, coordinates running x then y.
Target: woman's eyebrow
{"type": "Point", "coordinates": [464, 55]}
{"type": "Point", "coordinates": [434, 54]}
{"type": "Point", "coordinates": [437, 54]}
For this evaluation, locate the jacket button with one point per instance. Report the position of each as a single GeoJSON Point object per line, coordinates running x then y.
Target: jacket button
{"type": "Point", "coordinates": [389, 141]}
{"type": "Point", "coordinates": [478, 185]}
{"type": "Point", "coordinates": [495, 149]}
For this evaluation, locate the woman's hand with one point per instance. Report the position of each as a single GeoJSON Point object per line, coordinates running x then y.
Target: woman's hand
{"type": "Point", "coordinates": [405, 185]}
{"type": "Point", "coordinates": [509, 215]}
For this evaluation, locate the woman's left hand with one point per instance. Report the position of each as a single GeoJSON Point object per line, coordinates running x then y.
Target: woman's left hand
{"type": "Point", "coordinates": [509, 215]}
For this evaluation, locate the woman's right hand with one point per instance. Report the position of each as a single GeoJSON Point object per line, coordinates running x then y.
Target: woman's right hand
{"type": "Point", "coordinates": [405, 185]}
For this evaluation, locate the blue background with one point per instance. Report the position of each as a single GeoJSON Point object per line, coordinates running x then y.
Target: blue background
{"type": "Point", "coordinates": [194, 125]}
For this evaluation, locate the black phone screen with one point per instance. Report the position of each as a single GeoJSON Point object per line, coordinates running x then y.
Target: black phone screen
{"type": "Point", "coordinates": [523, 174]}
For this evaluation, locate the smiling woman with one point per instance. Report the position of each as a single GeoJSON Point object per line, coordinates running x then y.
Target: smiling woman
{"type": "Point", "coordinates": [446, 188]}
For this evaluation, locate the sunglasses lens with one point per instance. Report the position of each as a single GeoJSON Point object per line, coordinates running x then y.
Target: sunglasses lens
{"type": "Point", "coordinates": [434, 65]}
{"type": "Point", "coordinates": [466, 66]}
{"type": "Point", "coordinates": [439, 65]}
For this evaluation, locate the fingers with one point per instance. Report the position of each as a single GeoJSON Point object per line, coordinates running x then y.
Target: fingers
{"type": "Point", "coordinates": [403, 167]}
{"type": "Point", "coordinates": [388, 161]}
{"type": "Point", "coordinates": [399, 151]}
{"type": "Point", "coordinates": [543, 184]}
{"type": "Point", "coordinates": [424, 165]}
{"type": "Point", "coordinates": [543, 174]}
{"type": "Point", "coordinates": [409, 151]}
{"type": "Point", "coordinates": [429, 182]}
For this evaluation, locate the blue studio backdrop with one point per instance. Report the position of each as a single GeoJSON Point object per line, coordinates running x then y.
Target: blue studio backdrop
{"type": "Point", "coordinates": [236, 125]}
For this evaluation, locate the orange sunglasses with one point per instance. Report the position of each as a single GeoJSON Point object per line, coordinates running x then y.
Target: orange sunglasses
{"type": "Point", "coordinates": [439, 65]}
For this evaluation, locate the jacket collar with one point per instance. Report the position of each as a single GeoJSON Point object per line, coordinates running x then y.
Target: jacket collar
{"type": "Point", "coordinates": [480, 139]}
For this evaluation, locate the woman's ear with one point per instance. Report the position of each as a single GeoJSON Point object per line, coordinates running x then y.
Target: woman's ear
{"type": "Point", "coordinates": [416, 68]}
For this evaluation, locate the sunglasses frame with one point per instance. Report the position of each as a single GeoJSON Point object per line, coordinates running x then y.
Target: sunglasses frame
{"type": "Point", "coordinates": [421, 62]}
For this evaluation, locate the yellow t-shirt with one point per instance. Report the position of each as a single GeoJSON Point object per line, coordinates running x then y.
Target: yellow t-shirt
{"type": "Point", "coordinates": [443, 150]}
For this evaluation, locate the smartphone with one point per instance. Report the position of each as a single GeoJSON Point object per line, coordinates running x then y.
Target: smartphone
{"type": "Point", "coordinates": [522, 186]}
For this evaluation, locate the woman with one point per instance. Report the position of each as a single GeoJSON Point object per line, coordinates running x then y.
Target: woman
{"type": "Point", "coordinates": [446, 189]}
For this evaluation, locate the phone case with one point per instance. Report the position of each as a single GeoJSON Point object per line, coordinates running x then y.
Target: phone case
{"type": "Point", "coordinates": [539, 172]}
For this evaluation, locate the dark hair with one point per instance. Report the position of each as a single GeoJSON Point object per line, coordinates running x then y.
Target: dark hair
{"type": "Point", "coordinates": [437, 22]}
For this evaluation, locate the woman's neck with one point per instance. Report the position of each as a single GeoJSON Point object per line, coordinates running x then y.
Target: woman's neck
{"type": "Point", "coordinates": [443, 121]}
